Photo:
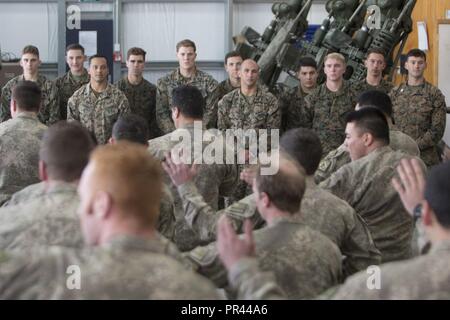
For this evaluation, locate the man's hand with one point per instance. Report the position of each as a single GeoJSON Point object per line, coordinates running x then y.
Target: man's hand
{"type": "Point", "coordinates": [178, 173]}
{"type": "Point", "coordinates": [231, 248]}
{"type": "Point", "coordinates": [411, 186]}
{"type": "Point", "coordinates": [248, 175]}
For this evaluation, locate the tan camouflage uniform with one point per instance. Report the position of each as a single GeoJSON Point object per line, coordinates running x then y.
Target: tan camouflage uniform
{"type": "Point", "coordinates": [419, 111]}
{"type": "Point", "coordinates": [66, 86]}
{"type": "Point", "coordinates": [366, 185]}
{"type": "Point", "coordinates": [339, 157]}
{"type": "Point", "coordinates": [142, 100]}
{"type": "Point", "coordinates": [203, 81]}
{"type": "Point", "coordinates": [326, 112]}
{"type": "Point", "coordinates": [97, 113]}
{"type": "Point", "coordinates": [20, 139]}
{"type": "Point", "coordinates": [304, 261]}
{"type": "Point", "coordinates": [49, 111]}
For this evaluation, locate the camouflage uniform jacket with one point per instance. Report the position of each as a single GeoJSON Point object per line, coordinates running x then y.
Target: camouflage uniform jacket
{"type": "Point", "coordinates": [339, 157]}
{"type": "Point", "coordinates": [49, 111]}
{"type": "Point", "coordinates": [419, 111]}
{"type": "Point", "coordinates": [203, 81]}
{"type": "Point", "coordinates": [142, 100]}
{"type": "Point", "coordinates": [105, 273]}
{"type": "Point", "coordinates": [66, 86]}
{"type": "Point", "coordinates": [326, 112]}
{"type": "Point", "coordinates": [224, 88]}
{"type": "Point", "coordinates": [19, 153]}
{"type": "Point", "coordinates": [97, 114]}
{"type": "Point", "coordinates": [304, 261]}
{"type": "Point", "coordinates": [362, 85]}
{"type": "Point", "coordinates": [366, 185]}
{"type": "Point", "coordinates": [47, 220]}
{"type": "Point", "coordinates": [26, 194]}
{"type": "Point", "coordinates": [212, 180]}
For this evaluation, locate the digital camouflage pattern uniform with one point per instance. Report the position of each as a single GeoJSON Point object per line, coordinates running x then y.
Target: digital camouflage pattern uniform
{"type": "Point", "coordinates": [207, 85]}
{"type": "Point", "coordinates": [366, 185]}
{"type": "Point", "coordinates": [105, 273]}
{"type": "Point", "coordinates": [326, 112]}
{"type": "Point", "coordinates": [362, 85]}
{"type": "Point", "coordinates": [97, 112]}
{"type": "Point", "coordinates": [292, 104]}
{"type": "Point", "coordinates": [339, 157]}
{"type": "Point", "coordinates": [20, 140]}
{"type": "Point", "coordinates": [419, 111]}
{"type": "Point", "coordinates": [66, 86]}
{"type": "Point", "coordinates": [224, 88]}
{"type": "Point", "coordinates": [142, 100]}
{"type": "Point", "coordinates": [304, 261]}
{"type": "Point", "coordinates": [49, 111]}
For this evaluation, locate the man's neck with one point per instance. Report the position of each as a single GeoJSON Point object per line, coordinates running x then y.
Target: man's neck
{"type": "Point", "coordinates": [235, 83]}
{"type": "Point", "coordinates": [307, 90]}
{"type": "Point", "coordinates": [274, 214]}
{"type": "Point", "coordinates": [31, 77]}
{"type": "Point", "coordinates": [50, 183]}
{"type": "Point", "coordinates": [374, 81]}
{"type": "Point", "coordinates": [77, 73]}
{"type": "Point", "coordinates": [99, 87]}
{"type": "Point", "coordinates": [184, 122]}
{"type": "Point", "coordinates": [249, 91]}
{"type": "Point", "coordinates": [25, 113]}
{"type": "Point", "coordinates": [334, 86]}
{"type": "Point", "coordinates": [124, 227]}
{"type": "Point", "coordinates": [135, 79]}
{"type": "Point", "coordinates": [415, 81]}
{"type": "Point", "coordinates": [188, 73]}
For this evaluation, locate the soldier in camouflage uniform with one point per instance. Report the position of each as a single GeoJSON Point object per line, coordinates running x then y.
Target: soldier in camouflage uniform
{"type": "Point", "coordinates": [213, 180]}
{"type": "Point", "coordinates": [49, 217]}
{"type": "Point", "coordinates": [19, 141]}
{"type": "Point", "coordinates": [320, 210]}
{"type": "Point", "coordinates": [233, 61]}
{"type": "Point", "coordinates": [74, 79]}
{"type": "Point", "coordinates": [424, 277]}
{"type": "Point", "coordinates": [327, 105]}
{"type": "Point", "coordinates": [419, 108]}
{"type": "Point", "coordinates": [365, 183]}
{"type": "Point", "coordinates": [98, 104]}
{"type": "Point", "coordinates": [398, 140]}
{"type": "Point", "coordinates": [125, 232]}
{"type": "Point", "coordinates": [186, 74]}
{"type": "Point", "coordinates": [141, 94]}
{"type": "Point", "coordinates": [304, 261]}
{"type": "Point", "coordinates": [375, 64]}
{"type": "Point", "coordinates": [48, 112]}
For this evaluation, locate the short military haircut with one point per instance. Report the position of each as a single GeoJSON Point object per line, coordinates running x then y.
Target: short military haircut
{"type": "Point", "coordinates": [132, 177]}
{"type": "Point", "coordinates": [304, 146]}
{"type": "Point", "coordinates": [31, 50]}
{"type": "Point", "coordinates": [75, 46]}
{"type": "Point", "coordinates": [98, 56]}
{"type": "Point", "coordinates": [232, 54]}
{"type": "Point", "coordinates": [186, 43]}
{"type": "Point", "coordinates": [416, 53]}
{"type": "Point", "coordinates": [135, 51]}
{"type": "Point", "coordinates": [377, 99]}
{"type": "Point", "coordinates": [65, 150]}
{"type": "Point", "coordinates": [131, 127]}
{"type": "Point", "coordinates": [336, 56]}
{"type": "Point", "coordinates": [437, 192]}
{"type": "Point", "coordinates": [189, 100]}
{"type": "Point", "coordinates": [284, 188]}
{"type": "Point", "coordinates": [27, 95]}
{"type": "Point", "coordinates": [307, 62]}
{"type": "Point", "coordinates": [376, 51]}
{"type": "Point", "coordinates": [371, 120]}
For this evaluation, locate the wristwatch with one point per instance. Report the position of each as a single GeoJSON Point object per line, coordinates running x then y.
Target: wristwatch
{"type": "Point", "coordinates": [417, 212]}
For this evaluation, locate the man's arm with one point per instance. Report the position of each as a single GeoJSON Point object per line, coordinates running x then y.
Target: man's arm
{"type": "Point", "coordinates": [163, 112]}
{"type": "Point", "coordinates": [210, 115]}
{"type": "Point", "coordinates": [52, 103]}
{"type": "Point", "coordinates": [72, 109]}
{"type": "Point", "coordinates": [5, 113]}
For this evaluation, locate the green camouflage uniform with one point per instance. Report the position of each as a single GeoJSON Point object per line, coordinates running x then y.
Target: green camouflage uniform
{"type": "Point", "coordinates": [66, 86]}
{"type": "Point", "coordinates": [20, 139]}
{"type": "Point", "coordinates": [366, 185]}
{"type": "Point", "coordinates": [203, 81]}
{"type": "Point", "coordinates": [419, 111]}
{"type": "Point", "coordinates": [362, 85]}
{"type": "Point", "coordinates": [339, 157]}
{"type": "Point", "coordinates": [97, 112]}
{"type": "Point", "coordinates": [49, 111]}
{"type": "Point", "coordinates": [304, 261]}
{"type": "Point", "coordinates": [142, 100]}
{"type": "Point", "coordinates": [326, 112]}
{"type": "Point", "coordinates": [105, 273]}
{"type": "Point", "coordinates": [224, 88]}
